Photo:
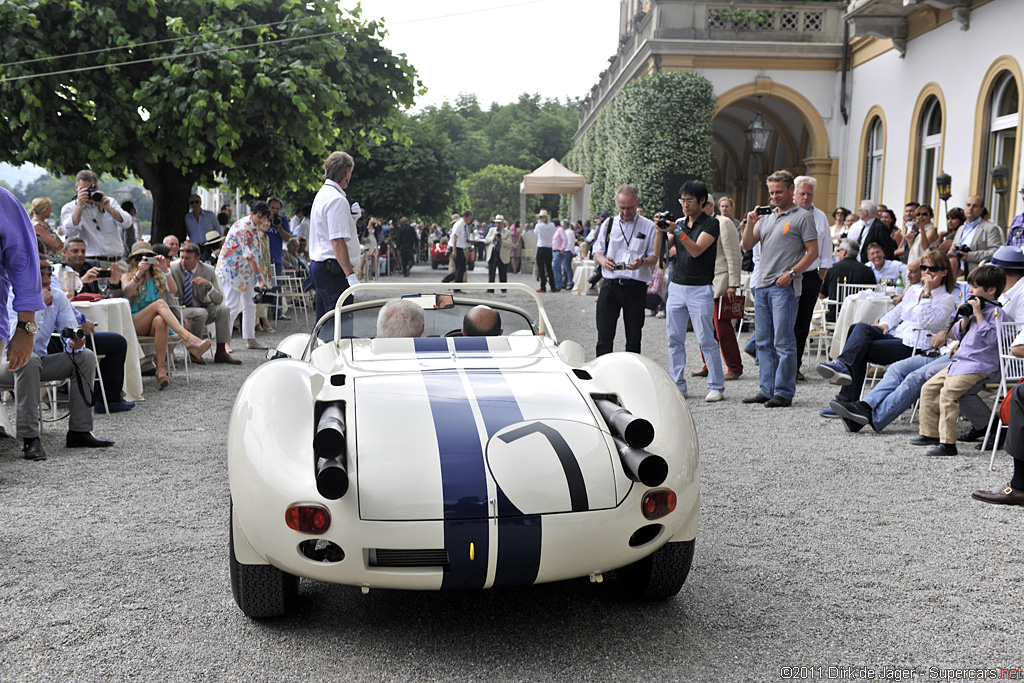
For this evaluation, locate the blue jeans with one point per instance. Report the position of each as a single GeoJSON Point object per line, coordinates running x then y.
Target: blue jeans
{"type": "Point", "coordinates": [556, 264]}
{"type": "Point", "coordinates": [900, 387]}
{"type": "Point", "coordinates": [567, 269]}
{"type": "Point", "coordinates": [774, 318]}
{"type": "Point", "coordinates": [868, 344]}
{"type": "Point", "coordinates": [694, 303]}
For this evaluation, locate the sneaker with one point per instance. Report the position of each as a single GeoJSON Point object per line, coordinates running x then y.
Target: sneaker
{"type": "Point", "coordinates": [829, 413]}
{"type": "Point", "coordinates": [752, 352]}
{"type": "Point", "coordinates": [282, 316]}
{"type": "Point", "coordinates": [660, 314]}
{"type": "Point", "coordinates": [858, 412]}
{"type": "Point", "coordinates": [836, 370]}
{"type": "Point", "coordinates": [119, 407]}
{"type": "Point", "coordinates": [714, 396]}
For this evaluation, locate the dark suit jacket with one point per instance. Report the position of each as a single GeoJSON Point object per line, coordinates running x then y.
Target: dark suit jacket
{"type": "Point", "coordinates": [850, 271]}
{"type": "Point", "coordinates": [203, 295]}
{"type": "Point", "coordinates": [877, 231]}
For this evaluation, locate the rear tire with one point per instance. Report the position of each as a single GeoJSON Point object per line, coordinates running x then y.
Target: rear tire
{"type": "Point", "coordinates": [660, 575]}
{"type": "Point", "coordinates": [260, 590]}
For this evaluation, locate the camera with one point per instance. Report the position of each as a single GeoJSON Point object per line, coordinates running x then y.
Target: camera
{"type": "Point", "coordinates": [276, 221]}
{"type": "Point", "coordinates": [619, 265]}
{"type": "Point", "coordinates": [94, 194]}
{"type": "Point", "coordinates": [104, 272]}
{"type": "Point", "coordinates": [149, 259]}
{"type": "Point", "coordinates": [72, 333]}
{"type": "Point", "coordinates": [963, 248]}
{"type": "Point", "coordinates": [764, 210]}
{"type": "Point", "coordinates": [664, 220]}
{"type": "Point", "coordinates": [966, 309]}
{"type": "Point", "coordinates": [263, 295]}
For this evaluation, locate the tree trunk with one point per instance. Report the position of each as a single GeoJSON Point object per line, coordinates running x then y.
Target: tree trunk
{"type": "Point", "coordinates": [171, 191]}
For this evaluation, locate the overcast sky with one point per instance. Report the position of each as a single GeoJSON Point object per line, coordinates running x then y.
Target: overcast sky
{"type": "Point", "coordinates": [500, 49]}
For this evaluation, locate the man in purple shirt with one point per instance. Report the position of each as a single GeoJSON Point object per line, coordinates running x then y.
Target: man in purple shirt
{"type": "Point", "coordinates": [19, 271]}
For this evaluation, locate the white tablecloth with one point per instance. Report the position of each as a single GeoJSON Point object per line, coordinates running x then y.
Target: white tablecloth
{"type": "Point", "coordinates": [581, 275]}
{"type": "Point", "coordinates": [856, 309]}
{"type": "Point", "coordinates": [115, 315]}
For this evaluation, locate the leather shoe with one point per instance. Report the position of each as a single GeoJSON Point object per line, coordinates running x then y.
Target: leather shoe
{"type": "Point", "coordinates": [33, 449]}
{"type": "Point", "coordinates": [85, 440]}
{"type": "Point", "coordinates": [777, 401]}
{"type": "Point", "coordinates": [119, 407]}
{"type": "Point", "coordinates": [730, 376]}
{"type": "Point", "coordinates": [970, 435]}
{"type": "Point", "coordinates": [942, 449]}
{"type": "Point", "coordinates": [197, 360]}
{"type": "Point", "coordinates": [800, 377]}
{"type": "Point", "coordinates": [700, 373]}
{"type": "Point", "coordinates": [757, 398]}
{"type": "Point", "coordinates": [225, 357]}
{"type": "Point", "coordinates": [1007, 496]}
{"type": "Point", "coordinates": [921, 440]}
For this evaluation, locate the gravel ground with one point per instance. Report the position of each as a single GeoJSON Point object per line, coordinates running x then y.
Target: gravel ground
{"type": "Point", "coordinates": [816, 548]}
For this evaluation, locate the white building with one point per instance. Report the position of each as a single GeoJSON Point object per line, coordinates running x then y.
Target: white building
{"type": "Point", "coordinates": [872, 97]}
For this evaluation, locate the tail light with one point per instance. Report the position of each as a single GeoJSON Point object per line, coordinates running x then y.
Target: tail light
{"type": "Point", "coordinates": [308, 519]}
{"type": "Point", "coordinates": [658, 503]}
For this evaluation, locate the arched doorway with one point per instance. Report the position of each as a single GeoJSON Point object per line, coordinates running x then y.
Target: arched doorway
{"type": "Point", "coordinates": [799, 144]}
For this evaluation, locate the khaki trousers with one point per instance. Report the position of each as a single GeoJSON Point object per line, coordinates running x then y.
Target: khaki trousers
{"type": "Point", "coordinates": [940, 403]}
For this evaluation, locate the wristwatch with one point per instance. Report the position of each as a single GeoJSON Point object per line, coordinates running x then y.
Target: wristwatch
{"type": "Point", "coordinates": [30, 327]}
{"type": "Point", "coordinates": [792, 273]}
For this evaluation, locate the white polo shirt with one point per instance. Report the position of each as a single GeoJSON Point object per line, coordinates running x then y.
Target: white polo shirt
{"type": "Point", "coordinates": [331, 218]}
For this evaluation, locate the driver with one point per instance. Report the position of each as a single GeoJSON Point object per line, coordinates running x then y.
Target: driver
{"type": "Point", "coordinates": [481, 321]}
{"type": "Point", "coordinates": [400, 318]}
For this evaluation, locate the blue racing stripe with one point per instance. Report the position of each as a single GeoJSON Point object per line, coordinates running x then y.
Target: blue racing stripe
{"type": "Point", "coordinates": [474, 345]}
{"type": "Point", "coordinates": [463, 481]}
{"type": "Point", "coordinates": [431, 347]}
{"type": "Point", "coordinates": [519, 536]}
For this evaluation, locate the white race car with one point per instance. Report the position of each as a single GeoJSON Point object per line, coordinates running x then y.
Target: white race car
{"type": "Point", "coordinates": [447, 461]}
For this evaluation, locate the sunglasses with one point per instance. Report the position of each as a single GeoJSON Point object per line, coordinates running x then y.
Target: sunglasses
{"type": "Point", "coordinates": [46, 269]}
{"type": "Point", "coordinates": [195, 202]}
{"type": "Point", "coordinates": [932, 269]}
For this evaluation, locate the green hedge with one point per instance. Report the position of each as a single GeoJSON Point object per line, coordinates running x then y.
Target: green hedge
{"type": "Point", "coordinates": [656, 125]}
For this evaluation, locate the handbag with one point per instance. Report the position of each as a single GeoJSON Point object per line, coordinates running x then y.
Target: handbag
{"type": "Point", "coordinates": [1004, 407]}
{"type": "Point", "coordinates": [731, 311]}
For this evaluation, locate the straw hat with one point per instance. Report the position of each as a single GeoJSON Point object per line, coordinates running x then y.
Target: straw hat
{"type": "Point", "coordinates": [543, 214]}
{"type": "Point", "coordinates": [213, 237]}
{"type": "Point", "coordinates": [141, 249]}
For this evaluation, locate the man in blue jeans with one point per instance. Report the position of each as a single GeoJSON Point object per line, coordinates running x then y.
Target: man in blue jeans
{"type": "Point", "coordinates": [789, 245]}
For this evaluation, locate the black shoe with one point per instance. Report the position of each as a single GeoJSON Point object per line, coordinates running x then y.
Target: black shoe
{"type": "Point", "coordinates": [757, 398]}
{"type": "Point", "coordinates": [987, 445]}
{"type": "Point", "coordinates": [942, 449]}
{"type": "Point", "coordinates": [33, 449]}
{"type": "Point", "coordinates": [921, 440]}
{"type": "Point", "coordinates": [970, 435]}
{"type": "Point", "coordinates": [777, 401]}
{"type": "Point", "coordinates": [752, 352]}
{"type": "Point", "coordinates": [85, 440]}
{"type": "Point", "coordinates": [855, 412]}
{"type": "Point", "coordinates": [800, 377]}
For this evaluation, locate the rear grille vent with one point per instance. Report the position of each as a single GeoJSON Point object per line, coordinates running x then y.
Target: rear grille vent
{"type": "Point", "coordinates": [384, 557]}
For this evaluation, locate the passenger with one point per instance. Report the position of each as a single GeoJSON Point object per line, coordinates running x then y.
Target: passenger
{"type": "Point", "coordinates": [481, 321]}
{"type": "Point", "coordinates": [400, 318]}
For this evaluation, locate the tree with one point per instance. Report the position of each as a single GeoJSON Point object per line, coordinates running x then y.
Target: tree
{"type": "Point", "coordinates": [416, 177]}
{"type": "Point", "coordinates": [495, 189]}
{"type": "Point", "coordinates": [256, 93]}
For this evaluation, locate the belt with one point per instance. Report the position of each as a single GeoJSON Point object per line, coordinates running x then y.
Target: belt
{"type": "Point", "coordinates": [625, 281]}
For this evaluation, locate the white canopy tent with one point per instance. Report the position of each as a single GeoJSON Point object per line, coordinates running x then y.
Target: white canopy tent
{"type": "Point", "coordinates": [553, 178]}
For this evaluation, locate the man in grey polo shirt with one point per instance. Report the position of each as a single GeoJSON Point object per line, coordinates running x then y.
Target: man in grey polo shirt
{"type": "Point", "coordinates": [789, 245]}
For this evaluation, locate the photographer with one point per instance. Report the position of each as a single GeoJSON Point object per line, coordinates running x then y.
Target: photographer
{"type": "Point", "coordinates": [96, 218]}
{"type": "Point", "coordinates": [145, 286]}
{"type": "Point", "coordinates": [278, 235]}
{"type": "Point", "coordinates": [977, 239]}
{"type": "Point", "coordinates": [974, 360]}
{"type": "Point", "coordinates": [78, 364]}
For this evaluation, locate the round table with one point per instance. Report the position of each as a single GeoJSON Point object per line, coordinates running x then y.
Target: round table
{"type": "Point", "coordinates": [115, 315]}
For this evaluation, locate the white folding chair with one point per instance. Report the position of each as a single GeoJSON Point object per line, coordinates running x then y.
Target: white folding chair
{"type": "Point", "coordinates": [1011, 370]}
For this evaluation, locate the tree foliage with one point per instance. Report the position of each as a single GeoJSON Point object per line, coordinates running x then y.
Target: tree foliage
{"type": "Point", "coordinates": [256, 93]}
{"type": "Point", "coordinates": [656, 125]}
{"type": "Point", "coordinates": [495, 189]}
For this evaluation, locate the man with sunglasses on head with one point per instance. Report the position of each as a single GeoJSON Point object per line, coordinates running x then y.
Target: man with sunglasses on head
{"type": "Point", "coordinates": [95, 217]}
{"type": "Point", "coordinates": [199, 221]}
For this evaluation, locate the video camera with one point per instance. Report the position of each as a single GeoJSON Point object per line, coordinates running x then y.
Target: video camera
{"type": "Point", "coordinates": [265, 295]}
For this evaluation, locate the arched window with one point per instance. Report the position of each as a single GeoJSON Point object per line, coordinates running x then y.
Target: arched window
{"type": "Point", "coordinates": [929, 146]}
{"type": "Point", "coordinates": [873, 160]}
{"type": "Point", "coordinates": [1001, 142]}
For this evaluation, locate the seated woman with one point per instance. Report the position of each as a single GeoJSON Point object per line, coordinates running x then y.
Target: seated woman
{"type": "Point", "coordinates": [926, 309]}
{"type": "Point", "coordinates": [144, 286]}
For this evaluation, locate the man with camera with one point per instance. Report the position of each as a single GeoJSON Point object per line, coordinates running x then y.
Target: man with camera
{"type": "Point", "coordinates": [96, 218]}
{"type": "Point", "coordinates": [202, 299]}
{"type": "Point", "coordinates": [977, 239]}
{"type": "Point", "coordinates": [789, 246]}
{"type": "Point", "coordinates": [78, 364]}
{"type": "Point", "coordinates": [624, 249]}
{"type": "Point", "coordinates": [278, 236]}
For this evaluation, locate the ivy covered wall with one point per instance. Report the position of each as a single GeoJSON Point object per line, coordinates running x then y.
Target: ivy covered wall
{"type": "Point", "coordinates": [656, 125]}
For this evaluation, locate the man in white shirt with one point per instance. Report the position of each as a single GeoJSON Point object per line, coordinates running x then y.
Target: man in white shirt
{"type": "Point", "coordinates": [545, 232]}
{"type": "Point", "coordinates": [96, 218]}
{"type": "Point", "coordinates": [815, 274]}
{"type": "Point", "coordinates": [333, 241]}
{"type": "Point", "coordinates": [458, 244]}
{"type": "Point", "coordinates": [880, 268]}
{"type": "Point", "coordinates": [865, 214]}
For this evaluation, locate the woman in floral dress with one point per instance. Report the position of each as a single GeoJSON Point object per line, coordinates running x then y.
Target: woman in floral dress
{"type": "Point", "coordinates": [238, 268]}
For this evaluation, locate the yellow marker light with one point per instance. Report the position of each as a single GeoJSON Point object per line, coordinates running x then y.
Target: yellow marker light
{"type": "Point", "coordinates": [472, 552]}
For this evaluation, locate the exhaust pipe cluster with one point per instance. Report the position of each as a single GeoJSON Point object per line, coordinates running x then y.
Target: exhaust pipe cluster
{"type": "Point", "coordinates": [329, 452]}
{"type": "Point", "coordinates": [631, 435]}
